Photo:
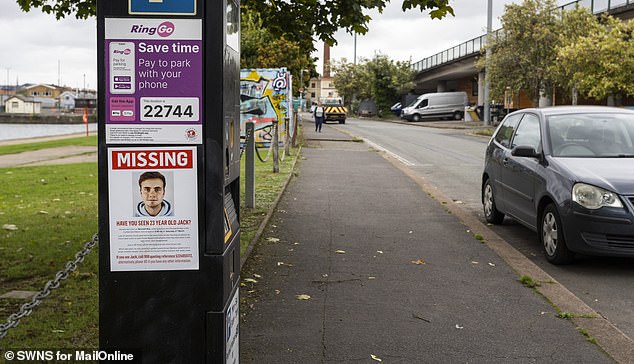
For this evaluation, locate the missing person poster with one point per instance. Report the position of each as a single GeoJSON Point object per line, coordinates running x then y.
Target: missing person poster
{"type": "Point", "coordinates": [153, 202]}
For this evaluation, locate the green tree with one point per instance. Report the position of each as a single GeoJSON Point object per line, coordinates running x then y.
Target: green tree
{"type": "Point", "coordinates": [260, 49]}
{"type": "Point", "coordinates": [522, 54]}
{"type": "Point", "coordinates": [601, 62]}
{"type": "Point", "coordinates": [388, 79]}
{"type": "Point", "coordinates": [351, 81]}
{"type": "Point", "coordinates": [380, 79]}
{"type": "Point", "coordinates": [574, 25]}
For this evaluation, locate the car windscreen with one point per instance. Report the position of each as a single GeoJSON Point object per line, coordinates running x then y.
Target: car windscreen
{"type": "Point", "coordinates": [588, 135]}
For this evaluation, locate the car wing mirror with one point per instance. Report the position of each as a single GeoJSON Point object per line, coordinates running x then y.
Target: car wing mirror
{"type": "Point", "coordinates": [524, 151]}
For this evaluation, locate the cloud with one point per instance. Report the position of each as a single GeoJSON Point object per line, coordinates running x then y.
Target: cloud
{"type": "Point", "coordinates": [33, 43]}
{"type": "Point", "coordinates": [36, 43]}
{"type": "Point", "coordinates": [413, 35]}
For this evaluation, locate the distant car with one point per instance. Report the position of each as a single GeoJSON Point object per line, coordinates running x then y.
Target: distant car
{"type": "Point", "coordinates": [437, 105]}
{"type": "Point", "coordinates": [396, 109]}
{"type": "Point", "coordinates": [568, 174]}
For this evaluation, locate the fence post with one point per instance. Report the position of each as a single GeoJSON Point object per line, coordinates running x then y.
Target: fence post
{"type": "Point", "coordinates": [287, 138]}
{"type": "Point", "coordinates": [294, 139]}
{"type": "Point", "coordinates": [276, 147]}
{"type": "Point", "coordinates": [249, 167]}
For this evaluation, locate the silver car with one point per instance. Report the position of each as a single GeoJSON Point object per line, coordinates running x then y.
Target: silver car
{"type": "Point", "coordinates": [567, 173]}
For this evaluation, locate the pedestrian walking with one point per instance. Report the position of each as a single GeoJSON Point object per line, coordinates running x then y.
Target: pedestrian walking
{"type": "Point", "coordinates": [318, 114]}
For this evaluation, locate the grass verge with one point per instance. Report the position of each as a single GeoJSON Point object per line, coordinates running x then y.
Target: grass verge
{"type": "Point", "coordinates": [485, 132]}
{"type": "Point", "coordinates": [28, 147]}
{"type": "Point", "coordinates": [54, 211]}
{"type": "Point", "coordinates": [267, 187]}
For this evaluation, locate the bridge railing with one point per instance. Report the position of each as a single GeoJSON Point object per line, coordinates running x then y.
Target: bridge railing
{"type": "Point", "coordinates": [475, 45]}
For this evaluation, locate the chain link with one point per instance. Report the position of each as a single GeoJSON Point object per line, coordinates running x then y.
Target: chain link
{"type": "Point", "coordinates": [27, 308]}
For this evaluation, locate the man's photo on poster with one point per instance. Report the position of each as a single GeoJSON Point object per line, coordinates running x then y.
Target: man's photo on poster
{"type": "Point", "coordinates": [153, 194]}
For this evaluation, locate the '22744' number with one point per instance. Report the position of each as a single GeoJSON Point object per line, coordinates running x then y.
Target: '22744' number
{"type": "Point", "coordinates": [166, 111]}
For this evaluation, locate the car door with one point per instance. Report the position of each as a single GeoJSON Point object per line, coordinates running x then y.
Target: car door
{"type": "Point", "coordinates": [422, 107]}
{"type": "Point", "coordinates": [497, 151]}
{"type": "Point", "coordinates": [519, 174]}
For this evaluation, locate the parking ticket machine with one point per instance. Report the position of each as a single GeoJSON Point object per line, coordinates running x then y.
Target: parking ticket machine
{"type": "Point", "coordinates": [169, 172]}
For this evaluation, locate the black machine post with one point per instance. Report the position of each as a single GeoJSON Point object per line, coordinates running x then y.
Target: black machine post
{"type": "Point", "coordinates": [169, 172]}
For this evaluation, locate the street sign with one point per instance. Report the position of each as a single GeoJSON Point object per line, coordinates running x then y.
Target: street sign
{"type": "Point", "coordinates": [162, 7]}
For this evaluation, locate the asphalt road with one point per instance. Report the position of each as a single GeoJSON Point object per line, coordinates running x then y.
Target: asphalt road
{"type": "Point", "coordinates": [452, 161]}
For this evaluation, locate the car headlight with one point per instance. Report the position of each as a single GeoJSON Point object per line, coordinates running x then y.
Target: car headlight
{"type": "Point", "coordinates": [592, 197]}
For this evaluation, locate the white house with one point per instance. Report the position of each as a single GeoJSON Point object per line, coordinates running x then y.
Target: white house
{"type": "Point", "coordinates": [67, 100]}
{"type": "Point", "coordinates": [71, 100]}
{"type": "Point", "coordinates": [19, 104]}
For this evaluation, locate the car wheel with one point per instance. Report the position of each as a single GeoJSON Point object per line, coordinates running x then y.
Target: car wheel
{"type": "Point", "coordinates": [457, 115]}
{"type": "Point", "coordinates": [552, 237]}
{"type": "Point", "coordinates": [416, 118]}
{"type": "Point", "coordinates": [491, 213]}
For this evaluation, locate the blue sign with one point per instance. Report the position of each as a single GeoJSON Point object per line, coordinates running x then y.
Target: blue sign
{"type": "Point", "coordinates": [166, 7]}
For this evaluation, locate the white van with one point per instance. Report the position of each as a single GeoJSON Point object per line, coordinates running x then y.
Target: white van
{"type": "Point", "coordinates": [437, 105]}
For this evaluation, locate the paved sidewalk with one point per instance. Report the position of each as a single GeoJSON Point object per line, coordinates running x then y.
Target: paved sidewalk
{"type": "Point", "coordinates": [386, 272]}
{"type": "Point", "coordinates": [59, 155]}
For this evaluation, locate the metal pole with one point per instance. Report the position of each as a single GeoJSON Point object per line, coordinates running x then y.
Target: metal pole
{"type": "Point", "coordinates": [287, 138]}
{"type": "Point", "coordinates": [355, 49]}
{"type": "Point", "coordinates": [487, 106]}
{"type": "Point", "coordinates": [276, 147]}
{"type": "Point", "coordinates": [249, 167]}
{"type": "Point", "coordinates": [294, 139]}
{"type": "Point", "coordinates": [301, 90]}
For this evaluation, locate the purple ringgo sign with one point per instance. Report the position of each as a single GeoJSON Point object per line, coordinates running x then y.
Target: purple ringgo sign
{"type": "Point", "coordinates": [153, 80]}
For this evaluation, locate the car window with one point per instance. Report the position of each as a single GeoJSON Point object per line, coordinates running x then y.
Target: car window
{"type": "Point", "coordinates": [505, 132]}
{"type": "Point", "coordinates": [423, 103]}
{"type": "Point", "coordinates": [527, 132]}
{"type": "Point", "coordinates": [591, 135]}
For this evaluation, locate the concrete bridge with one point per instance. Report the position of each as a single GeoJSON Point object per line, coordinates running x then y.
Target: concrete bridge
{"type": "Point", "coordinates": [454, 69]}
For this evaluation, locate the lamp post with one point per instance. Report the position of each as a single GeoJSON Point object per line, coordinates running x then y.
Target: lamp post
{"type": "Point", "coordinates": [487, 106]}
{"type": "Point", "coordinates": [355, 48]}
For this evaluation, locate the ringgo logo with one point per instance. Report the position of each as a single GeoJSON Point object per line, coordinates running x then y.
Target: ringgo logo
{"type": "Point", "coordinates": [164, 29]}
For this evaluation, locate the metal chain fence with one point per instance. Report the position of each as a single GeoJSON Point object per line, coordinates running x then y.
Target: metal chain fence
{"type": "Point", "coordinates": [268, 154]}
{"type": "Point", "coordinates": [27, 308]}
{"type": "Point", "coordinates": [247, 137]}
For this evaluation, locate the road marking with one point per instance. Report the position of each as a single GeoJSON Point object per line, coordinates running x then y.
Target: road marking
{"type": "Point", "coordinates": [390, 153]}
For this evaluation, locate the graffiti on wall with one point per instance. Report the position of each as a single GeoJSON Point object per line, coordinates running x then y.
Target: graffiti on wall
{"type": "Point", "coordinates": [264, 98]}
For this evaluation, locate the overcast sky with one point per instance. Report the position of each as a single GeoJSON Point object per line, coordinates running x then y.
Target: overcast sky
{"type": "Point", "coordinates": [32, 44]}
{"type": "Point", "coordinates": [414, 35]}
{"type": "Point", "coordinates": [35, 48]}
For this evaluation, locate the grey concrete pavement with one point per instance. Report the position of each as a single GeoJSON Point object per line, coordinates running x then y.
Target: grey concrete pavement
{"type": "Point", "coordinates": [390, 274]}
{"type": "Point", "coordinates": [59, 155]}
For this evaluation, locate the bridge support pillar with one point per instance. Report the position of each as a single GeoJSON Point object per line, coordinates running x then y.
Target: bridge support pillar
{"type": "Point", "coordinates": [481, 80]}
